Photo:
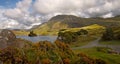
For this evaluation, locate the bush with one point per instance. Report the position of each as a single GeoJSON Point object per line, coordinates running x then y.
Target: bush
{"type": "Point", "coordinates": [84, 59]}
{"type": "Point", "coordinates": [68, 36]}
{"type": "Point", "coordinates": [99, 61]}
{"type": "Point", "coordinates": [66, 61]}
{"type": "Point", "coordinates": [108, 35]}
{"type": "Point", "coordinates": [31, 34]}
{"type": "Point", "coordinates": [83, 32]}
{"type": "Point", "coordinates": [12, 56]}
{"type": "Point", "coordinates": [46, 61]}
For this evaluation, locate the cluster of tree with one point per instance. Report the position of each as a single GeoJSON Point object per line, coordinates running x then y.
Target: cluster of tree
{"type": "Point", "coordinates": [111, 34]}
{"type": "Point", "coordinates": [69, 36]}
{"type": "Point", "coordinates": [32, 34]}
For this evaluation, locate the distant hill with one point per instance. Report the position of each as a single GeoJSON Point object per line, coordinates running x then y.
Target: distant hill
{"type": "Point", "coordinates": [69, 21]}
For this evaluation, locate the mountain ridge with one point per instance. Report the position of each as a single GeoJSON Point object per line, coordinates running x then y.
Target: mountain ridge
{"type": "Point", "coordinates": [59, 22]}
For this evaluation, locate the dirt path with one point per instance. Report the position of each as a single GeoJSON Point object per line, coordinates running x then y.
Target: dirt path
{"type": "Point", "coordinates": [95, 43]}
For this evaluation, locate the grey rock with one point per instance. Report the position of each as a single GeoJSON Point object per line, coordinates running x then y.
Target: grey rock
{"type": "Point", "coordinates": [6, 38]}
{"type": "Point", "coordinates": [1, 62]}
{"type": "Point", "coordinates": [7, 35]}
{"type": "Point", "coordinates": [3, 43]}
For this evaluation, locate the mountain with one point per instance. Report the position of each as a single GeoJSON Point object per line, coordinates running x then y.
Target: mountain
{"type": "Point", "coordinates": [59, 22]}
{"type": "Point", "coordinates": [69, 21]}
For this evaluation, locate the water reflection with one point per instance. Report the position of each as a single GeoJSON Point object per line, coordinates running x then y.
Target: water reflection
{"type": "Point", "coordinates": [39, 38]}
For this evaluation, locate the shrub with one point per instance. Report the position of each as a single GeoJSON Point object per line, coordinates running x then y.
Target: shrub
{"type": "Point", "coordinates": [66, 61]}
{"type": "Point", "coordinates": [12, 56]}
{"type": "Point", "coordinates": [82, 32]}
{"type": "Point", "coordinates": [84, 59]}
{"type": "Point", "coordinates": [46, 61]}
{"type": "Point", "coordinates": [99, 61]}
{"type": "Point", "coordinates": [31, 34]}
{"type": "Point", "coordinates": [108, 35]}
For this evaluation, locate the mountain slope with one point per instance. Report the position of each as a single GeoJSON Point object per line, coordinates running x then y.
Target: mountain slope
{"type": "Point", "coordinates": [69, 21]}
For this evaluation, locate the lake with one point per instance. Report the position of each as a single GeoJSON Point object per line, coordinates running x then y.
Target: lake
{"type": "Point", "coordinates": [39, 38]}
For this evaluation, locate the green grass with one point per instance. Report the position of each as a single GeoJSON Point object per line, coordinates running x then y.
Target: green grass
{"type": "Point", "coordinates": [92, 52]}
{"type": "Point", "coordinates": [114, 42]}
{"type": "Point", "coordinates": [90, 27]}
{"type": "Point", "coordinates": [21, 32]}
{"type": "Point", "coordinates": [54, 29]}
{"type": "Point", "coordinates": [82, 40]}
{"type": "Point", "coordinates": [45, 29]}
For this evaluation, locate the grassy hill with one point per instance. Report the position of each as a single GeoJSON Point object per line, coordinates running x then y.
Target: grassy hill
{"type": "Point", "coordinates": [81, 36]}
{"type": "Point", "coordinates": [74, 21]}
{"type": "Point", "coordinates": [69, 21]}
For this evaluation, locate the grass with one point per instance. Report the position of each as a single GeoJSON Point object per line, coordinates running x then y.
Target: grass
{"type": "Point", "coordinates": [82, 40]}
{"type": "Point", "coordinates": [47, 30]}
{"type": "Point", "coordinates": [21, 32]}
{"type": "Point", "coordinates": [54, 29]}
{"type": "Point", "coordinates": [114, 42]}
{"type": "Point", "coordinates": [90, 27]}
{"type": "Point", "coordinates": [94, 53]}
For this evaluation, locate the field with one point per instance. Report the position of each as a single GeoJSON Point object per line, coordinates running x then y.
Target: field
{"type": "Point", "coordinates": [94, 53]}
{"type": "Point", "coordinates": [20, 32]}
{"type": "Point", "coordinates": [82, 40]}
{"type": "Point", "coordinates": [114, 42]}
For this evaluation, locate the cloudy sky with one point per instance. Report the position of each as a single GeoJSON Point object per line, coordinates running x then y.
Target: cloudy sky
{"type": "Point", "coordinates": [23, 14]}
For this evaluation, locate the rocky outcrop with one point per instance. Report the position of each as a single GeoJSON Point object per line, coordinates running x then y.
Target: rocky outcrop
{"type": "Point", "coordinates": [3, 43]}
{"type": "Point", "coordinates": [7, 35]}
{"type": "Point", "coordinates": [8, 39]}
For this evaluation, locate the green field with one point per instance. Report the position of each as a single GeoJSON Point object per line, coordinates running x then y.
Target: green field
{"type": "Point", "coordinates": [94, 53]}
{"type": "Point", "coordinates": [114, 42]}
{"type": "Point", "coordinates": [82, 40]}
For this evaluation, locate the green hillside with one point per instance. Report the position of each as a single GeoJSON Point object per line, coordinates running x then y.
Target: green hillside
{"type": "Point", "coordinates": [69, 21]}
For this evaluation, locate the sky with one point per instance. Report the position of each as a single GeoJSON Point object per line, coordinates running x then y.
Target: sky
{"type": "Point", "coordinates": [24, 14]}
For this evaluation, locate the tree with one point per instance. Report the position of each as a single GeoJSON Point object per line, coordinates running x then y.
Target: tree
{"type": "Point", "coordinates": [31, 34]}
{"type": "Point", "coordinates": [82, 32]}
{"type": "Point", "coordinates": [118, 36]}
{"type": "Point", "coordinates": [108, 35]}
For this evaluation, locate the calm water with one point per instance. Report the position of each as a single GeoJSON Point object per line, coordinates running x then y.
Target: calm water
{"type": "Point", "coordinates": [39, 38]}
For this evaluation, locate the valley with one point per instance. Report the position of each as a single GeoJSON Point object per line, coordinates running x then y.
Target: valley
{"type": "Point", "coordinates": [77, 41]}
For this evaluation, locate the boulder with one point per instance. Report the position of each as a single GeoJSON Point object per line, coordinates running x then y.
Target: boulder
{"type": "Point", "coordinates": [3, 43]}
{"type": "Point", "coordinates": [20, 43]}
{"type": "Point", "coordinates": [7, 35]}
{"type": "Point", "coordinates": [6, 38]}
{"type": "Point", "coordinates": [1, 62]}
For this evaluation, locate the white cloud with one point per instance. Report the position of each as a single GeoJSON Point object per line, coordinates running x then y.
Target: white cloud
{"type": "Point", "coordinates": [18, 17]}
{"type": "Point", "coordinates": [27, 13]}
{"type": "Point", "coordinates": [14, 13]}
{"type": "Point", "coordinates": [22, 8]}
{"type": "Point", "coordinates": [84, 8]}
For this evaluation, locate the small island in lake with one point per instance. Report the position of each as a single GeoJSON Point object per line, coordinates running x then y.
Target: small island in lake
{"type": "Point", "coordinates": [32, 34]}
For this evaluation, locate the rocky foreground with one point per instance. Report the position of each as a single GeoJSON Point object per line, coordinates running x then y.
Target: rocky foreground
{"type": "Point", "coordinates": [19, 51]}
{"type": "Point", "coordinates": [8, 39]}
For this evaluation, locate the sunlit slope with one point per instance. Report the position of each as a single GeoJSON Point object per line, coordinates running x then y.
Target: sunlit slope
{"type": "Point", "coordinates": [59, 22]}
{"type": "Point", "coordinates": [92, 29]}
{"type": "Point", "coordinates": [69, 21]}
{"type": "Point", "coordinates": [45, 29]}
